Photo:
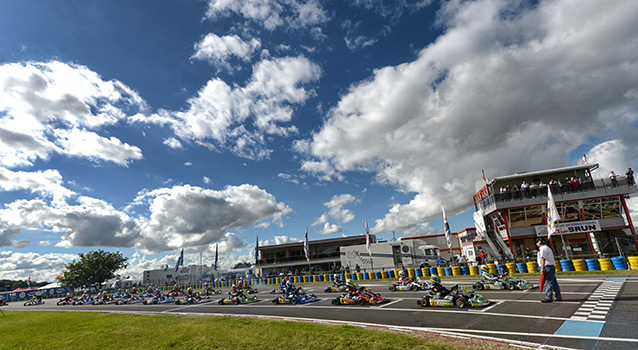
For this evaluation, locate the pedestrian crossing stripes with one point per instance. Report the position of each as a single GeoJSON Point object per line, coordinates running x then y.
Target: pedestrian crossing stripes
{"type": "Point", "coordinates": [599, 302]}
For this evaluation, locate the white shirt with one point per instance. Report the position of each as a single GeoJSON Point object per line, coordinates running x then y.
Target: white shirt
{"type": "Point", "coordinates": [545, 252]}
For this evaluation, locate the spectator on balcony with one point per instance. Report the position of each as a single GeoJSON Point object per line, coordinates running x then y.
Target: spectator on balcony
{"type": "Point", "coordinates": [502, 191]}
{"type": "Point", "coordinates": [630, 177]}
{"type": "Point", "coordinates": [613, 178]}
{"type": "Point", "coordinates": [517, 192]}
{"type": "Point", "coordinates": [533, 188]}
{"type": "Point", "coordinates": [575, 184]}
{"type": "Point", "coordinates": [508, 192]}
{"type": "Point", "coordinates": [525, 189]}
{"type": "Point", "coordinates": [567, 185]}
{"type": "Point", "coordinates": [542, 187]}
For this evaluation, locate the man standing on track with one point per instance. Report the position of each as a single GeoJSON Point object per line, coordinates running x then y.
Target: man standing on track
{"type": "Point", "coordinates": [547, 263]}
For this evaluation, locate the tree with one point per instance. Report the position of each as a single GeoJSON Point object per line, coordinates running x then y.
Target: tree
{"type": "Point", "coordinates": [92, 269]}
{"type": "Point", "coordinates": [241, 265]}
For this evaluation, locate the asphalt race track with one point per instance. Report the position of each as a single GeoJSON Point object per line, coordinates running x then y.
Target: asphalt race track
{"type": "Point", "coordinates": [598, 312]}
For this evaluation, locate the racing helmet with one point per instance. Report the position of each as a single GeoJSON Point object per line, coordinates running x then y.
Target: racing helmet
{"type": "Point", "coordinates": [401, 274]}
{"type": "Point", "coordinates": [190, 290]}
{"type": "Point", "coordinates": [484, 268]}
{"type": "Point", "coordinates": [335, 277]}
{"type": "Point", "coordinates": [435, 279]}
{"type": "Point", "coordinates": [350, 283]}
{"type": "Point", "coordinates": [104, 293]}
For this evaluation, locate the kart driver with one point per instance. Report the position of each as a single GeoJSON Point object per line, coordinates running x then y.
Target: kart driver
{"type": "Point", "coordinates": [351, 288]}
{"type": "Point", "coordinates": [437, 287]}
{"type": "Point", "coordinates": [337, 281]}
{"type": "Point", "coordinates": [487, 275]}
{"type": "Point", "coordinates": [404, 281]}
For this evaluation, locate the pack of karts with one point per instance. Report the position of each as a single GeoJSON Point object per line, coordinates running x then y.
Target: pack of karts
{"type": "Point", "coordinates": [34, 301]}
{"type": "Point", "coordinates": [295, 298]}
{"type": "Point", "coordinates": [193, 299]}
{"type": "Point", "coordinates": [504, 281]}
{"type": "Point", "coordinates": [453, 297]}
{"type": "Point", "coordinates": [336, 288]}
{"type": "Point", "coordinates": [238, 298]}
{"type": "Point", "coordinates": [361, 296]}
{"type": "Point", "coordinates": [413, 283]}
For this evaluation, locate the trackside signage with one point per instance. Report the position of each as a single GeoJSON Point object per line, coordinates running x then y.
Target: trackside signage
{"type": "Point", "coordinates": [567, 228]}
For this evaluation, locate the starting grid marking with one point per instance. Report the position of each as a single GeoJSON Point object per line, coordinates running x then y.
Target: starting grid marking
{"type": "Point", "coordinates": [589, 319]}
{"type": "Point", "coordinates": [599, 302]}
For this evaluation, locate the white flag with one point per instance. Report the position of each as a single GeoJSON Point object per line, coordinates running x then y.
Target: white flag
{"type": "Point", "coordinates": [305, 246]}
{"type": "Point", "coordinates": [447, 228]}
{"type": "Point", "coordinates": [368, 239]}
{"type": "Point", "coordinates": [552, 213]}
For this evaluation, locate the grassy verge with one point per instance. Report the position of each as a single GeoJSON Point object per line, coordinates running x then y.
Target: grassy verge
{"type": "Point", "coordinates": [86, 330]}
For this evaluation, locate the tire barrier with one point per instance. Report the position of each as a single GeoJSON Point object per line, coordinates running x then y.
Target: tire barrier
{"type": "Point", "coordinates": [532, 266]}
{"type": "Point", "coordinates": [521, 267]}
{"type": "Point", "coordinates": [456, 270]}
{"type": "Point", "coordinates": [592, 264]}
{"type": "Point", "coordinates": [566, 265]}
{"type": "Point", "coordinates": [434, 271]}
{"type": "Point", "coordinates": [391, 274]}
{"type": "Point", "coordinates": [385, 274]}
{"type": "Point", "coordinates": [606, 264]}
{"type": "Point", "coordinates": [474, 270]}
{"type": "Point", "coordinates": [440, 271]}
{"type": "Point", "coordinates": [418, 273]}
{"type": "Point", "coordinates": [425, 272]}
{"type": "Point", "coordinates": [511, 267]}
{"type": "Point", "coordinates": [492, 268]}
{"type": "Point", "coordinates": [448, 271]}
{"type": "Point", "coordinates": [465, 270]}
{"type": "Point", "coordinates": [579, 265]}
{"type": "Point", "coordinates": [410, 273]}
{"type": "Point", "coordinates": [619, 263]}
{"type": "Point", "coordinates": [633, 262]}
{"type": "Point", "coordinates": [359, 276]}
{"type": "Point", "coordinates": [378, 275]}
{"type": "Point", "coordinates": [501, 268]}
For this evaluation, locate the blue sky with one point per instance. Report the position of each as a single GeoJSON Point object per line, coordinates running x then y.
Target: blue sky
{"type": "Point", "coordinates": [151, 126]}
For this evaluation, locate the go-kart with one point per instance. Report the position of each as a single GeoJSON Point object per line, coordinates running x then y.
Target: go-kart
{"type": "Point", "coordinates": [241, 298]}
{"type": "Point", "coordinates": [250, 290]}
{"type": "Point", "coordinates": [413, 284]}
{"type": "Point", "coordinates": [133, 299]}
{"type": "Point", "coordinates": [210, 291]}
{"type": "Point", "coordinates": [193, 299]}
{"type": "Point", "coordinates": [34, 301]}
{"type": "Point", "coordinates": [277, 291]}
{"type": "Point", "coordinates": [363, 296]}
{"type": "Point", "coordinates": [454, 297]}
{"type": "Point", "coordinates": [300, 298]}
{"type": "Point", "coordinates": [82, 301]}
{"type": "Point", "coordinates": [3, 302]}
{"type": "Point", "coordinates": [335, 288]}
{"type": "Point", "coordinates": [66, 301]}
{"type": "Point", "coordinates": [489, 285]}
{"type": "Point", "coordinates": [516, 282]}
{"type": "Point", "coordinates": [159, 300]}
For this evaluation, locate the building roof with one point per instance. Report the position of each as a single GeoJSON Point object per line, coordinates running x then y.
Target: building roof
{"type": "Point", "coordinates": [529, 174]}
{"type": "Point", "coordinates": [321, 241]}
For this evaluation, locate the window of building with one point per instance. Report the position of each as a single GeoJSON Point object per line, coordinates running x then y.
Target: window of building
{"type": "Point", "coordinates": [534, 215]}
{"type": "Point", "coordinates": [569, 212]}
{"type": "Point", "coordinates": [592, 209]}
{"type": "Point", "coordinates": [610, 207]}
{"type": "Point", "coordinates": [517, 217]}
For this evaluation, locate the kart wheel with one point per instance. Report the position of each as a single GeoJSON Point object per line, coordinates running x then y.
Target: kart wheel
{"type": "Point", "coordinates": [294, 301]}
{"type": "Point", "coordinates": [461, 303]}
{"type": "Point", "coordinates": [26, 304]}
{"type": "Point", "coordinates": [328, 290]}
{"type": "Point", "coordinates": [479, 286]}
{"type": "Point", "coordinates": [424, 302]}
{"type": "Point", "coordinates": [335, 301]}
{"type": "Point", "coordinates": [274, 301]}
{"type": "Point", "coordinates": [509, 286]}
{"type": "Point", "coordinates": [393, 288]}
{"type": "Point", "coordinates": [414, 287]}
{"type": "Point", "coordinates": [221, 301]}
{"type": "Point", "coordinates": [236, 301]}
{"type": "Point", "coordinates": [361, 301]}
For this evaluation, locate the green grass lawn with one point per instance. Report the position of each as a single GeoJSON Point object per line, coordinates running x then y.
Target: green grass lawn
{"type": "Point", "coordinates": [91, 330]}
